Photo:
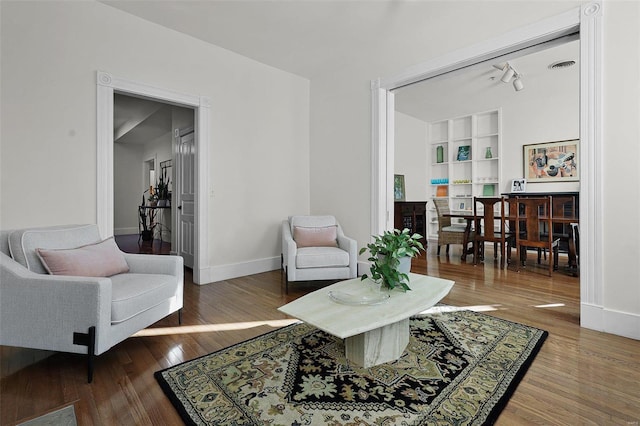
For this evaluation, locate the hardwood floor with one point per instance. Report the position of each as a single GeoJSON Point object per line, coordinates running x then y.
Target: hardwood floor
{"type": "Point", "coordinates": [131, 243]}
{"type": "Point", "coordinates": [580, 376]}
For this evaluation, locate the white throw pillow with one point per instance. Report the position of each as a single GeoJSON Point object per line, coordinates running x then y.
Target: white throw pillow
{"type": "Point", "coordinates": [102, 259]}
{"type": "Point", "coordinates": [323, 236]}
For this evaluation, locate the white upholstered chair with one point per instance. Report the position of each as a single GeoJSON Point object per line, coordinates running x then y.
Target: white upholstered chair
{"type": "Point", "coordinates": [80, 314]}
{"type": "Point", "coordinates": [315, 248]}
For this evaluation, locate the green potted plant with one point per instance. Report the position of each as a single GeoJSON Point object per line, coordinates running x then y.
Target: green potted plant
{"type": "Point", "coordinates": [162, 189]}
{"type": "Point", "coordinates": [388, 253]}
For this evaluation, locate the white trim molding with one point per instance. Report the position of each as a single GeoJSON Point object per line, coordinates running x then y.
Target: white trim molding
{"type": "Point", "coordinates": [587, 20]}
{"type": "Point", "coordinates": [234, 270]}
{"type": "Point", "coordinates": [106, 86]}
{"type": "Point", "coordinates": [591, 184]}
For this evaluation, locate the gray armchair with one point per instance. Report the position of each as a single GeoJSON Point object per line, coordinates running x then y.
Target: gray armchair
{"type": "Point", "coordinates": [315, 248]}
{"type": "Point", "coordinates": [80, 314]}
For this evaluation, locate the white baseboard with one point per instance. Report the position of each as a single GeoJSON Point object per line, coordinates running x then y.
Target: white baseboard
{"type": "Point", "coordinates": [591, 317]}
{"type": "Point", "coordinates": [125, 231]}
{"type": "Point", "coordinates": [622, 323]}
{"type": "Point", "coordinates": [235, 270]}
{"type": "Point", "coordinates": [609, 321]}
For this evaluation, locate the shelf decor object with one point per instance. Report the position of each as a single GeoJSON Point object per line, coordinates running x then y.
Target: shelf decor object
{"type": "Point", "coordinates": [488, 190]}
{"type": "Point", "coordinates": [439, 154]}
{"type": "Point", "coordinates": [551, 161]}
{"type": "Point", "coordinates": [464, 153]}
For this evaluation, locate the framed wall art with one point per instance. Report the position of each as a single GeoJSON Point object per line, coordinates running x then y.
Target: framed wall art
{"type": "Point", "coordinates": [518, 185]}
{"type": "Point", "coordinates": [398, 188]}
{"type": "Point", "coordinates": [552, 161]}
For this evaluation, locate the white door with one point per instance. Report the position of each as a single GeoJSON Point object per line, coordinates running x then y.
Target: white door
{"type": "Point", "coordinates": [185, 161]}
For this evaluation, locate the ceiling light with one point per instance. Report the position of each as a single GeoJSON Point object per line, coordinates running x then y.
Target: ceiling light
{"type": "Point", "coordinates": [517, 84]}
{"type": "Point", "coordinates": [508, 73]}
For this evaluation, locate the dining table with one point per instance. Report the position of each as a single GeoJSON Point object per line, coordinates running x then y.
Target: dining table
{"type": "Point", "coordinates": [470, 218]}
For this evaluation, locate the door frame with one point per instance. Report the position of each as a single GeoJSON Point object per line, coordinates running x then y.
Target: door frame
{"type": "Point", "coordinates": [587, 20]}
{"type": "Point", "coordinates": [106, 86]}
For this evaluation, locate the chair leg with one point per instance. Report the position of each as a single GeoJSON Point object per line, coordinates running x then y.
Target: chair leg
{"type": "Point", "coordinates": [180, 316]}
{"type": "Point", "coordinates": [286, 280]}
{"type": "Point", "coordinates": [438, 250]}
{"type": "Point", "coordinates": [476, 252]}
{"type": "Point", "coordinates": [495, 250]}
{"type": "Point", "coordinates": [521, 256]}
{"type": "Point", "coordinates": [556, 249]}
{"type": "Point", "coordinates": [447, 249]}
{"type": "Point", "coordinates": [88, 340]}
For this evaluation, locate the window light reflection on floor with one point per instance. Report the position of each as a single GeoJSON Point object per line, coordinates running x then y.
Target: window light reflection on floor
{"type": "Point", "coordinates": [550, 305]}
{"type": "Point", "coordinates": [446, 308]}
{"type": "Point", "coordinates": [208, 328]}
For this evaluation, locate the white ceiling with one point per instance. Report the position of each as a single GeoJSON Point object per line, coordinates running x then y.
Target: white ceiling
{"type": "Point", "coordinates": [479, 87]}
{"type": "Point", "coordinates": [138, 121]}
{"type": "Point", "coordinates": [312, 37]}
{"type": "Point", "coordinates": [304, 37]}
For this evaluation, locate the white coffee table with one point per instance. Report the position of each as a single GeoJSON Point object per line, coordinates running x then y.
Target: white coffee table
{"type": "Point", "coordinates": [374, 334]}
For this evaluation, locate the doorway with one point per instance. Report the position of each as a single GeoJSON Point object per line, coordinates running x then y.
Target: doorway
{"type": "Point", "coordinates": [587, 21]}
{"type": "Point", "coordinates": [144, 178]}
{"type": "Point", "coordinates": [106, 86]}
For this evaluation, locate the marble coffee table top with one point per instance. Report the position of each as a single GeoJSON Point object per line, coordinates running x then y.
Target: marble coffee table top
{"type": "Point", "coordinates": [343, 320]}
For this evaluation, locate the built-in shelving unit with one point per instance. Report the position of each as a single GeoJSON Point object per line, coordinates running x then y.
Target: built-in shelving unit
{"type": "Point", "coordinates": [464, 158]}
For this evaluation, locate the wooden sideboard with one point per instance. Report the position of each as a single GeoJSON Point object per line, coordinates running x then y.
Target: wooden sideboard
{"type": "Point", "coordinates": [413, 216]}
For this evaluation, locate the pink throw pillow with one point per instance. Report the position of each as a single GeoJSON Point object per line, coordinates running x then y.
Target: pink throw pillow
{"type": "Point", "coordinates": [102, 259]}
{"type": "Point", "coordinates": [325, 236]}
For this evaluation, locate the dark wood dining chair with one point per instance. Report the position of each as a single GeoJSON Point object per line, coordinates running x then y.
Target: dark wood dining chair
{"type": "Point", "coordinates": [448, 233]}
{"type": "Point", "coordinates": [574, 245]}
{"type": "Point", "coordinates": [511, 205]}
{"type": "Point", "coordinates": [535, 216]}
{"type": "Point", "coordinates": [563, 207]}
{"type": "Point", "coordinates": [490, 225]}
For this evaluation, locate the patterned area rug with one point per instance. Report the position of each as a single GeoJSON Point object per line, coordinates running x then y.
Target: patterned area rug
{"type": "Point", "coordinates": [460, 367]}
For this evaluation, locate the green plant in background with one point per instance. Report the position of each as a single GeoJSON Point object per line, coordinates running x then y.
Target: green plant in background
{"type": "Point", "coordinates": [385, 252]}
{"type": "Point", "coordinates": [162, 189]}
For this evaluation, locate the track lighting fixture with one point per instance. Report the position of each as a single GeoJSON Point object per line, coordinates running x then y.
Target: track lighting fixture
{"type": "Point", "coordinates": [509, 73]}
{"type": "Point", "coordinates": [517, 83]}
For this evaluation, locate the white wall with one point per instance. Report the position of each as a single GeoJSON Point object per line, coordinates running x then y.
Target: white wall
{"type": "Point", "coordinates": [341, 117]}
{"type": "Point", "coordinates": [127, 187]}
{"type": "Point", "coordinates": [259, 147]}
{"type": "Point", "coordinates": [621, 203]}
{"type": "Point", "coordinates": [411, 155]}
